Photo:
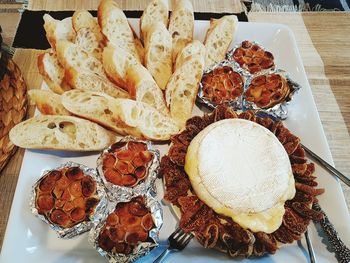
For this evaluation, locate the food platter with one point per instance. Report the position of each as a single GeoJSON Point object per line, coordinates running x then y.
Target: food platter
{"type": "Point", "coordinates": [28, 239]}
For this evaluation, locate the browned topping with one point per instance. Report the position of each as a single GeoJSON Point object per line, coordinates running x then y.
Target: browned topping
{"type": "Point", "coordinates": [65, 197]}
{"type": "Point", "coordinates": [126, 227]}
{"type": "Point", "coordinates": [222, 85]}
{"type": "Point", "coordinates": [222, 233]}
{"type": "Point", "coordinates": [252, 57]}
{"type": "Point", "coordinates": [127, 163]}
{"type": "Point", "coordinates": [267, 90]}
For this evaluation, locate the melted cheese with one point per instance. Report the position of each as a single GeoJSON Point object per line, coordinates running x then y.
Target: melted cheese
{"type": "Point", "coordinates": [241, 170]}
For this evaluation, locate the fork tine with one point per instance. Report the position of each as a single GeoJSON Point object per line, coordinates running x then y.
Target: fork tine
{"type": "Point", "coordinates": [186, 239]}
{"type": "Point", "coordinates": [177, 232]}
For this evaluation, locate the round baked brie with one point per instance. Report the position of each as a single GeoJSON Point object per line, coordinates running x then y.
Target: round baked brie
{"type": "Point", "coordinates": [241, 170]}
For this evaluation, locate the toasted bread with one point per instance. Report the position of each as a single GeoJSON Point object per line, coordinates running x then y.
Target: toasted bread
{"type": "Point", "coordinates": [156, 11]}
{"type": "Point", "coordinates": [52, 72]}
{"type": "Point", "coordinates": [182, 89]}
{"type": "Point", "coordinates": [115, 27]}
{"type": "Point", "coordinates": [191, 49]}
{"type": "Point", "coordinates": [58, 29]}
{"type": "Point", "coordinates": [61, 133]}
{"type": "Point", "coordinates": [218, 38]}
{"type": "Point", "coordinates": [142, 87]}
{"type": "Point", "coordinates": [158, 54]}
{"type": "Point", "coordinates": [181, 25]}
{"type": "Point", "coordinates": [47, 102]}
{"type": "Point", "coordinates": [121, 115]}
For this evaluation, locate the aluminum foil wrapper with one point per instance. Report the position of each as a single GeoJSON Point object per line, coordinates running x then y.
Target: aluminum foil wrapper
{"type": "Point", "coordinates": [235, 103]}
{"type": "Point", "coordinates": [123, 193]}
{"type": "Point", "coordinates": [84, 226]}
{"type": "Point", "coordinates": [279, 110]}
{"type": "Point", "coordinates": [245, 72]}
{"type": "Point", "coordinates": [141, 249]}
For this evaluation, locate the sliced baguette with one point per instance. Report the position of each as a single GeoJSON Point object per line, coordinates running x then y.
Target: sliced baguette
{"type": "Point", "coordinates": [115, 61]}
{"type": "Point", "coordinates": [156, 11]}
{"type": "Point", "coordinates": [158, 54]}
{"type": "Point", "coordinates": [142, 87]}
{"type": "Point", "coordinates": [58, 29]}
{"type": "Point", "coordinates": [87, 40]}
{"type": "Point", "coordinates": [115, 27]}
{"type": "Point", "coordinates": [182, 89]}
{"type": "Point", "coordinates": [181, 25]}
{"type": "Point", "coordinates": [71, 55]}
{"type": "Point", "coordinates": [191, 49]}
{"type": "Point", "coordinates": [52, 72]}
{"type": "Point", "coordinates": [86, 80]}
{"type": "Point", "coordinates": [121, 115]}
{"type": "Point", "coordinates": [219, 37]}
{"type": "Point", "coordinates": [61, 133]}
{"type": "Point", "coordinates": [47, 102]}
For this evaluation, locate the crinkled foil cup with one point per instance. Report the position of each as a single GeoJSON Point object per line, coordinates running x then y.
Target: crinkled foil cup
{"type": "Point", "coordinates": [245, 72]}
{"type": "Point", "coordinates": [235, 103]}
{"type": "Point", "coordinates": [81, 227]}
{"type": "Point", "coordinates": [141, 249]}
{"type": "Point", "coordinates": [123, 193]}
{"type": "Point", "coordinates": [279, 110]}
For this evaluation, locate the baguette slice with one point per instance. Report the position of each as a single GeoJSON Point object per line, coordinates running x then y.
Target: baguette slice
{"type": "Point", "coordinates": [181, 25]}
{"type": "Point", "coordinates": [156, 11]}
{"type": "Point", "coordinates": [182, 89]}
{"type": "Point", "coordinates": [52, 72]}
{"type": "Point", "coordinates": [58, 29]}
{"type": "Point", "coordinates": [192, 49]}
{"type": "Point", "coordinates": [121, 115]}
{"type": "Point", "coordinates": [115, 27]}
{"type": "Point", "coordinates": [158, 58]}
{"type": "Point", "coordinates": [115, 62]}
{"type": "Point", "coordinates": [219, 37]}
{"type": "Point", "coordinates": [88, 81]}
{"type": "Point", "coordinates": [142, 87]}
{"type": "Point", "coordinates": [47, 102]}
{"type": "Point", "coordinates": [61, 133]}
{"type": "Point", "coordinates": [71, 55]}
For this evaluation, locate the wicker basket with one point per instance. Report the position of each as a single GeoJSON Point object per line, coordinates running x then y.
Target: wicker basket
{"type": "Point", "coordinates": [13, 105]}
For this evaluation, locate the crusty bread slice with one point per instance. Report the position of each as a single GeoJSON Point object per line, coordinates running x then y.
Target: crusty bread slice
{"type": "Point", "coordinates": [71, 55]}
{"type": "Point", "coordinates": [191, 49]}
{"type": "Point", "coordinates": [158, 54]}
{"type": "Point", "coordinates": [182, 89]}
{"type": "Point", "coordinates": [61, 133]}
{"type": "Point", "coordinates": [156, 11]}
{"type": "Point", "coordinates": [47, 102]}
{"type": "Point", "coordinates": [181, 25]}
{"type": "Point", "coordinates": [121, 115]}
{"type": "Point", "coordinates": [219, 37]}
{"type": "Point", "coordinates": [115, 27]}
{"type": "Point", "coordinates": [58, 29]}
{"type": "Point", "coordinates": [52, 72]}
{"type": "Point", "coordinates": [115, 61]}
{"type": "Point", "coordinates": [142, 87]}
{"type": "Point", "coordinates": [86, 80]}
{"type": "Point", "coordinates": [88, 33]}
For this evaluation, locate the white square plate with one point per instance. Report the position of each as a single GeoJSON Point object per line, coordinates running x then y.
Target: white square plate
{"type": "Point", "coordinates": [28, 239]}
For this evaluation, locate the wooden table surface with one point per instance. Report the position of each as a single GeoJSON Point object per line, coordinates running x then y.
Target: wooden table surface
{"type": "Point", "coordinates": [323, 40]}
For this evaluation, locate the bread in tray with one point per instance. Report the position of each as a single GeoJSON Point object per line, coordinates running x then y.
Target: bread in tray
{"type": "Point", "coordinates": [47, 102]}
{"type": "Point", "coordinates": [58, 29]}
{"type": "Point", "coordinates": [158, 55]}
{"type": "Point", "coordinates": [181, 25]}
{"type": "Point", "coordinates": [61, 133]}
{"type": "Point", "coordinates": [115, 27]}
{"type": "Point", "coordinates": [156, 11]}
{"type": "Point", "coordinates": [52, 72]}
{"type": "Point", "coordinates": [191, 49]}
{"type": "Point", "coordinates": [124, 116]}
{"type": "Point", "coordinates": [218, 38]}
{"type": "Point", "coordinates": [182, 88]}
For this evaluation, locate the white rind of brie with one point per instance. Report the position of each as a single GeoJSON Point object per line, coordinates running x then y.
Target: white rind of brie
{"type": "Point", "coordinates": [241, 170]}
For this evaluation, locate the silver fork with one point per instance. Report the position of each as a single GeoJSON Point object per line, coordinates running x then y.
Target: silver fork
{"type": "Point", "coordinates": [177, 241]}
{"type": "Point", "coordinates": [310, 248]}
